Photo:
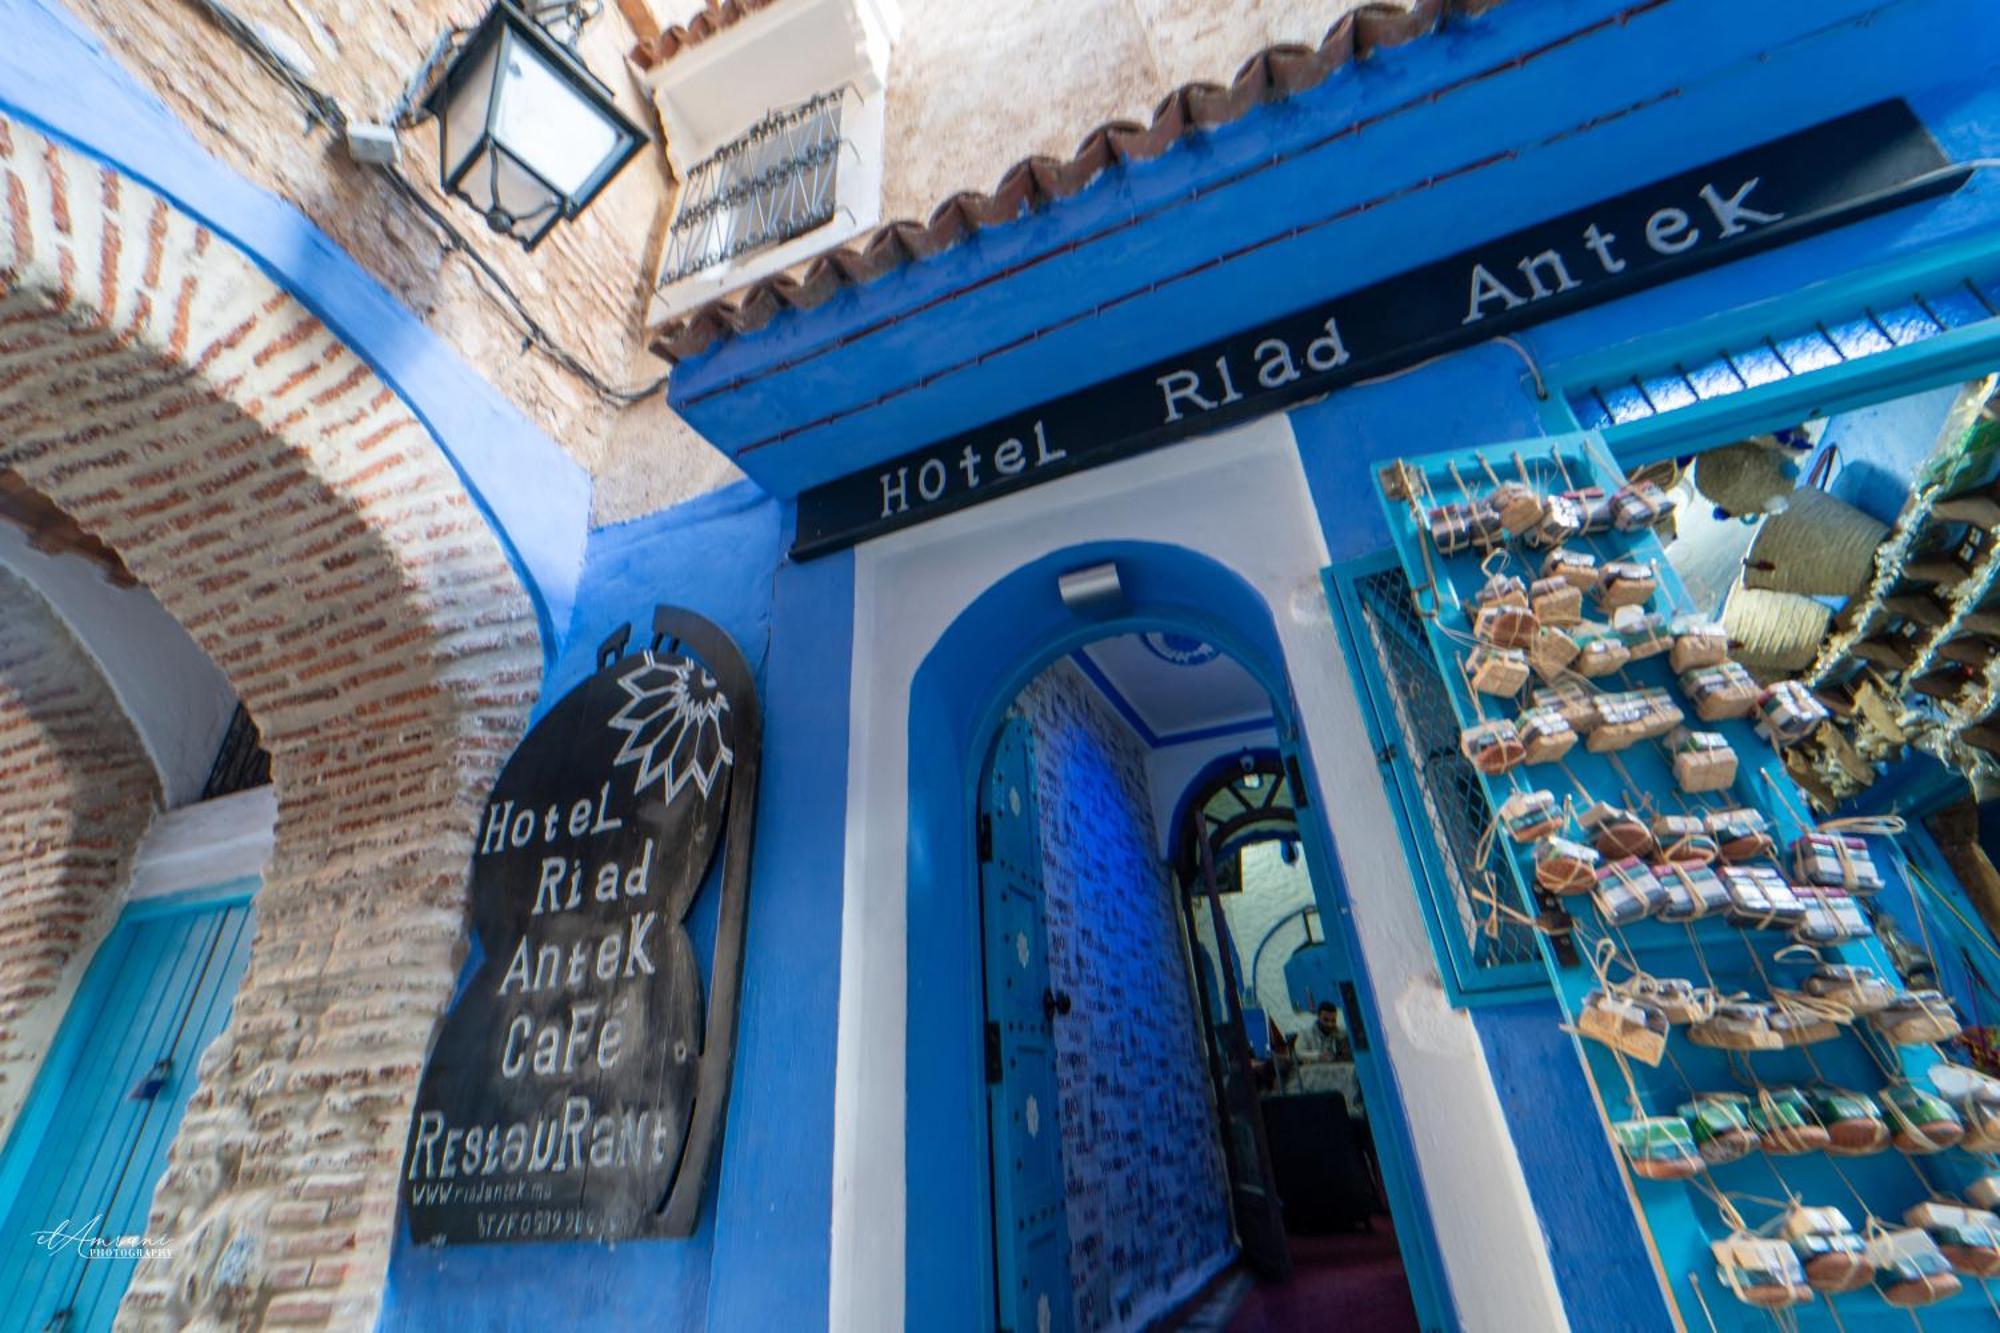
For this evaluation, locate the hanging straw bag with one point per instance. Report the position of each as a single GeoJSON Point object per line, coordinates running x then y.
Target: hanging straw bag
{"type": "Point", "coordinates": [1599, 651]}
{"type": "Point", "coordinates": [1625, 1025]}
{"type": "Point", "coordinates": [1504, 625]}
{"type": "Point", "coordinates": [1519, 507]}
{"type": "Point", "coordinates": [1501, 671]}
{"type": "Point", "coordinates": [1625, 583]}
{"type": "Point", "coordinates": [1551, 651]}
{"type": "Point", "coordinates": [1576, 568]}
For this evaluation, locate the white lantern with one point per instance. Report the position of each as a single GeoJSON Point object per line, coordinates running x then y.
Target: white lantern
{"type": "Point", "coordinates": [526, 134]}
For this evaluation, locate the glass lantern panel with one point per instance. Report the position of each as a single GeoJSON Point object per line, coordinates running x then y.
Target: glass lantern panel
{"type": "Point", "coordinates": [550, 125]}
{"type": "Point", "coordinates": [464, 118]}
{"type": "Point", "coordinates": [499, 182]}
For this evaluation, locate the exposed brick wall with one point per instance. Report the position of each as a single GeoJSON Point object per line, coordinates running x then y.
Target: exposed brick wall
{"type": "Point", "coordinates": [292, 514]}
{"type": "Point", "coordinates": [76, 793]}
{"type": "Point", "coordinates": [1142, 1167]}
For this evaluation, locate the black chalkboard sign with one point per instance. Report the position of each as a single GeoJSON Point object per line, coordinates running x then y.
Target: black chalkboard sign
{"type": "Point", "coordinates": [577, 1087]}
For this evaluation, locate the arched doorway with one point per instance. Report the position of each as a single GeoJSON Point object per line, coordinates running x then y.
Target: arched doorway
{"type": "Point", "coordinates": [292, 513]}
{"type": "Point", "coordinates": [1153, 1137]}
{"type": "Point", "coordinates": [959, 703]}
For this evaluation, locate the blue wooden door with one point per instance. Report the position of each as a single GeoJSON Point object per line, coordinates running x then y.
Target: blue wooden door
{"type": "Point", "coordinates": [91, 1142]}
{"type": "Point", "coordinates": [1030, 1226]}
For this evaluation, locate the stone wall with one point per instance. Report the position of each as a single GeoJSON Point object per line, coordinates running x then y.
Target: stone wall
{"type": "Point", "coordinates": [294, 516]}
{"type": "Point", "coordinates": [76, 794]}
{"type": "Point", "coordinates": [1142, 1167]}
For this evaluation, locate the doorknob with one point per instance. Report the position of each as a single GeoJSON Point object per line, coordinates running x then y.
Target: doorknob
{"type": "Point", "coordinates": [1054, 1002]}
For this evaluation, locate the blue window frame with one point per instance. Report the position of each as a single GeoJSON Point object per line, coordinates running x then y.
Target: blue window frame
{"type": "Point", "coordinates": [1442, 813]}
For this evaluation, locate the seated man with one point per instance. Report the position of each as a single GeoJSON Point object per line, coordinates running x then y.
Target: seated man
{"type": "Point", "coordinates": [1326, 1057]}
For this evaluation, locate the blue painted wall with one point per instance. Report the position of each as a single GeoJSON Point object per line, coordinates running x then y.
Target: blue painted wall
{"type": "Point", "coordinates": [55, 75]}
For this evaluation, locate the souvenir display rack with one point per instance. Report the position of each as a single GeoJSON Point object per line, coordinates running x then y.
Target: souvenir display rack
{"type": "Point", "coordinates": [1704, 1030]}
{"type": "Point", "coordinates": [1916, 659]}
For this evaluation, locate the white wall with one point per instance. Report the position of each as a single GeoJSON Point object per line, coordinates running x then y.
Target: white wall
{"type": "Point", "coordinates": [178, 701]}
{"type": "Point", "coordinates": [1242, 499]}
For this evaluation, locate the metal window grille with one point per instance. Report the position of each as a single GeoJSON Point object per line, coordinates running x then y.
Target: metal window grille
{"type": "Point", "coordinates": [241, 763]}
{"type": "Point", "coordinates": [772, 184]}
{"type": "Point", "coordinates": [1454, 804]}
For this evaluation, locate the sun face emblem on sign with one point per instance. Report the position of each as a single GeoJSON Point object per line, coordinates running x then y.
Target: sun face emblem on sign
{"type": "Point", "coordinates": [672, 720]}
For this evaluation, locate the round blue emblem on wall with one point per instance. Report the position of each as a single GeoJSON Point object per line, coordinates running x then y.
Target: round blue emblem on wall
{"type": "Point", "coordinates": [1180, 649]}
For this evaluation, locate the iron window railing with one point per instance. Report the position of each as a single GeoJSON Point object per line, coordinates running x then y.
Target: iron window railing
{"type": "Point", "coordinates": [1433, 789]}
{"type": "Point", "coordinates": [773, 183]}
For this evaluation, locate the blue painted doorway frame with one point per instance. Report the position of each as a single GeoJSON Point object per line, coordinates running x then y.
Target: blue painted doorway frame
{"type": "Point", "coordinates": [958, 700]}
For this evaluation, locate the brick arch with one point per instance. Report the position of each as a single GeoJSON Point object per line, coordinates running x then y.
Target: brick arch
{"type": "Point", "coordinates": [297, 519]}
{"type": "Point", "coordinates": [76, 792]}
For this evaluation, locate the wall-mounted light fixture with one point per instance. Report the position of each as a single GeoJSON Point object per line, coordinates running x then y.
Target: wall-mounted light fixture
{"type": "Point", "coordinates": [527, 135]}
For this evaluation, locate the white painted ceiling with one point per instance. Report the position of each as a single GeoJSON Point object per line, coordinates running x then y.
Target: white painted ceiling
{"type": "Point", "coordinates": [1176, 685]}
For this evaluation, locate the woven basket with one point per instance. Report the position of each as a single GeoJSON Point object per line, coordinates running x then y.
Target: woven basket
{"type": "Point", "coordinates": [1774, 632]}
{"type": "Point", "coordinates": [1744, 478]}
{"type": "Point", "coordinates": [1819, 544]}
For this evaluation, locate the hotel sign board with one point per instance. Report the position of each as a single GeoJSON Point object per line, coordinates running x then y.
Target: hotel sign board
{"type": "Point", "coordinates": [1836, 172]}
{"type": "Point", "coordinates": [578, 1084]}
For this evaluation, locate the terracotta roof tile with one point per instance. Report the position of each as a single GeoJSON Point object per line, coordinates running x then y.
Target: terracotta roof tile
{"type": "Point", "coordinates": [1274, 73]}
{"type": "Point", "coordinates": [720, 14]}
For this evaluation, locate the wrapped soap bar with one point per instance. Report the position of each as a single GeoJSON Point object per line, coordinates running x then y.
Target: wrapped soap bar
{"type": "Point", "coordinates": [1759, 897]}
{"type": "Point", "coordinates": [1832, 917]}
{"type": "Point", "coordinates": [1576, 568]}
{"type": "Point", "coordinates": [1519, 507]}
{"type": "Point", "coordinates": [1625, 583]}
{"type": "Point", "coordinates": [1530, 815]}
{"type": "Point", "coordinates": [1643, 632]}
{"type": "Point", "coordinates": [1854, 1123]}
{"type": "Point", "coordinates": [1736, 1026]}
{"type": "Point", "coordinates": [1547, 735]}
{"type": "Point", "coordinates": [1615, 831]}
{"type": "Point", "coordinates": [1760, 1271]}
{"type": "Point", "coordinates": [1556, 601]}
{"type": "Point", "coordinates": [1693, 890]}
{"type": "Point", "coordinates": [1800, 1026]}
{"type": "Point", "coordinates": [1684, 838]}
{"type": "Point", "coordinates": [1720, 692]}
{"type": "Point", "coordinates": [1563, 866]}
{"type": "Point", "coordinates": [1741, 834]}
{"type": "Point", "coordinates": [1599, 651]}
{"type": "Point", "coordinates": [1835, 862]}
{"type": "Point", "coordinates": [1576, 701]}
{"type": "Point", "coordinates": [1458, 527]}
{"type": "Point", "coordinates": [1501, 671]}
{"type": "Point", "coordinates": [1785, 1123]}
{"type": "Point", "coordinates": [1721, 1127]}
{"type": "Point", "coordinates": [1910, 1270]}
{"type": "Point", "coordinates": [1622, 719]}
{"type": "Point", "coordinates": [1505, 625]}
{"type": "Point", "coordinates": [1659, 1147]}
{"type": "Point", "coordinates": [1638, 505]}
{"type": "Point", "coordinates": [1969, 1238]}
{"type": "Point", "coordinates": [1501, 590]}
{"type": "Point", "coordinates": [1679, 999]}
{"type": "Point", "coordinates": [1703, 760]}
{"type": "Point", "coordinates": [1697, 643]}
{"type": "Point", "coordinates": [1595, 506]}
{"type": "Point", "coordinates": [1859, 988]}
{"type": "Point", "coordinates": [1917, 1018]}
{"type": "Point", "coordinates": [1551, 652]}
{"type": "Point", "coordinates": [1787, 712]}
{"type": "Point", "coordinates": [1920, 1122]}
{"type": "Point", "coordinates": [1492, 747]}
{"type": "Point", "coordinates": [1834, 1256]}
{"type": "Point", "coordinates": [1626, 891]}
{"type": "Point", "coordinates": [1624, 1024]}
{"type": "Point", "coordinates": [1562, 519]}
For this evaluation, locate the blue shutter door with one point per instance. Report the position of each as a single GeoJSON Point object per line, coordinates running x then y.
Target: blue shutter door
{"type": "Point", "coordinates": [156, 995]}
{"type": "Point", "coordinates": [1030, 1227]}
